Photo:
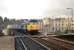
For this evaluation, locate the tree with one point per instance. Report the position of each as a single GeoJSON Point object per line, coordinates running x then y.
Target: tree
{"type": "Point", "coordinates": [1, 20]}
{"type": "Point", "coordinates": [12, 21]}
{"type": "Point", "coordinates": [6, 21]}
{"type": "Point", "coordinates": [1, 24]}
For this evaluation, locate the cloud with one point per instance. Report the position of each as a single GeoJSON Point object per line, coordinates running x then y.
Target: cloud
{"type": "Point", "coordinates": [59, 8]}
{"type": "Point", "coordinates": [3, 10]}
{"type": "Point", "coordinates": [27, 8]}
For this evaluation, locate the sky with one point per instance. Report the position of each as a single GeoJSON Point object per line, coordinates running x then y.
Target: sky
{"type": "Point", "coordinates": [29, 9]}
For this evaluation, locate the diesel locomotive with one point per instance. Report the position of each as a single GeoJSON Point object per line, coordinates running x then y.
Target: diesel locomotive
{"type": "Point", "coordinates": [33, 27]}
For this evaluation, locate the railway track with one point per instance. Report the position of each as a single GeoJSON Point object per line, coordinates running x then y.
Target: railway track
{"type": "Point", "coordinates": [63, 43]}
{"type": "Point", "coordinates": [55, 43]}
{"type": "Point", "coordinates": [25, 43]}
{"type": "Point", "coordinates": [19, 45]}
{"type": "Point", "coordinates": [42, 43]}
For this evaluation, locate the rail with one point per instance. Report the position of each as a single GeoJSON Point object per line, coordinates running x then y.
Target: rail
{"type": "Point", "coordinates": [23, 44]}
{"type": "Point", "coordinates": [56, 43]}
{"type": "Point", "coordinates": [26, 44]}
{"type": "Point", "coordinates": [19, 44]}
{"type": "Point", "coordinates": [41, 44]}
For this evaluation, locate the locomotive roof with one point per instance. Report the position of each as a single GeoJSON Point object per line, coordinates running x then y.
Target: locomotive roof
{"type": "Point", "coordinates": [33, 20]}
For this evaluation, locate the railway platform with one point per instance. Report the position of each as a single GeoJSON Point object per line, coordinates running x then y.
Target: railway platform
{"type": "Point", "coordinates": [7, 43]}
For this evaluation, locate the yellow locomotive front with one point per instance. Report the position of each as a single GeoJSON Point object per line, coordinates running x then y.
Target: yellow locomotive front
{"type": "Point", "coordinates": [33, 27]}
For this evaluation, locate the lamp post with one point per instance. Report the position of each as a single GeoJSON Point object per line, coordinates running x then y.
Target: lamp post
{"type": "Point", "coordinates": [71, 11]}
{"type": "Point", "coordinates": [69, 24]}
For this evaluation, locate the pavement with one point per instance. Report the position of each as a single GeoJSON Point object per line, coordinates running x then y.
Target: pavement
{"type": "Point", "coordinates": [7, 43]}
